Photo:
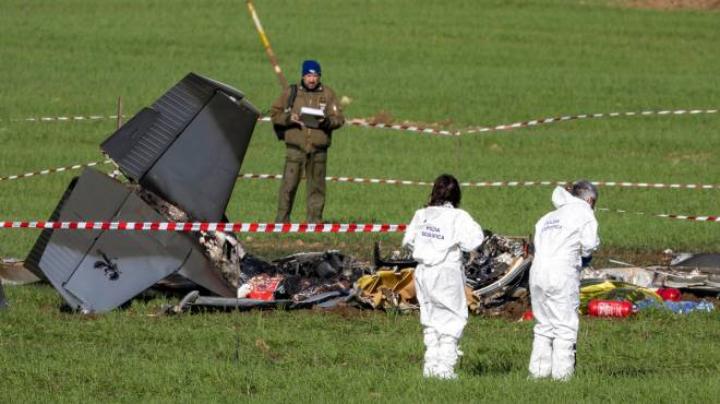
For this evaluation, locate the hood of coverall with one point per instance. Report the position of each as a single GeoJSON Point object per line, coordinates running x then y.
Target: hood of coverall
{"type": "Point", "coordinates": [561, 197]}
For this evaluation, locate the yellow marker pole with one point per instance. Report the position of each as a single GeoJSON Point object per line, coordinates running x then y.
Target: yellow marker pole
{"type": "Point", "coordinates": [266, 44]}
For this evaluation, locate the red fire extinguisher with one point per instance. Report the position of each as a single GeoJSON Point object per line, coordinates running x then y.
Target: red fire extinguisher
{"type": "Point", "coordinates": [609, 308]}
{"type": "Point", "coordinates": [670, 294]}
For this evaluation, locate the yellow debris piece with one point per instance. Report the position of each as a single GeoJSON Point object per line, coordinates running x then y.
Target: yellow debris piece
{"type": "Point", "coordinates": [389, 289]}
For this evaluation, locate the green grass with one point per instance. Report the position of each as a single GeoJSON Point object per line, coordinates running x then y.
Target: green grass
{"type": "Point", "coordinates": [464, 63]}
{"type": "Point", "coordinates": [316, 356]}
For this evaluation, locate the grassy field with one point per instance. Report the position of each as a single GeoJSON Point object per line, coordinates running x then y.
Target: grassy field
{"type": "Point", "coordinates": [460, 64]}
{"type": "Point", "coordinates": [347, 356]}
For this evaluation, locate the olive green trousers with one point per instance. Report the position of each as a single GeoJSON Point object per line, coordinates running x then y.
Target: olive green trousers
{"type": "Point", "coordinates": [314, 166]}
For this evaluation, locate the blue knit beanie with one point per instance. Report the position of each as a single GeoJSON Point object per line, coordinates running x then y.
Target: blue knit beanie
{"type": "Point", "coordinates": [311, 66]}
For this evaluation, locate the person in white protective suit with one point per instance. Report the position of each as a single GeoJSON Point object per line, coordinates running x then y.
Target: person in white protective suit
{"type": "Point", "coordinates": [564, 241]}
{"type": "Point", "coordinates": [437, 235]}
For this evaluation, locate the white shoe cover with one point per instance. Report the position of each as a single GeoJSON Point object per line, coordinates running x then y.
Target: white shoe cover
{"type": "Point", "coordinates": [541, 357]}
{"type": "Point", "coordinates": [563, 359]}
{"type": "Point", "coordinates": [447, 357]}
{"type": "Point", "coordinates": [431, 339]}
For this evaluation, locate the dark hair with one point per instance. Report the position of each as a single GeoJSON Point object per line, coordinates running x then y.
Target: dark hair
{"type": "Point", "coordinates": [446, 189]}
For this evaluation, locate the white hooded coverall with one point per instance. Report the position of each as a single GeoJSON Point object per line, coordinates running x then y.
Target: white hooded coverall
{"type": "Point", "coordinates": [437, 234]}
{"type": "Point", "coordinates": [561, 238]}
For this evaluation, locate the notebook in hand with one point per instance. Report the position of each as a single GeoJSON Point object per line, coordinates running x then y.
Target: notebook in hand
{"type": "Point", "coordinates": [311, 117]}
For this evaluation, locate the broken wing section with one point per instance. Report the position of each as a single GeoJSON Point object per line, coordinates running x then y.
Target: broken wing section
{"type": "Point", "coordinates": [120, 264]}
{"type": "Point", "coordinates": [96, 271]}
{"type": "Point", "coordinates": [57, 254]}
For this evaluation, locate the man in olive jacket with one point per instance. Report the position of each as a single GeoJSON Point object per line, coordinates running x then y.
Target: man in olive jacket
{"type": "Point", "coordinates": [307, 138]}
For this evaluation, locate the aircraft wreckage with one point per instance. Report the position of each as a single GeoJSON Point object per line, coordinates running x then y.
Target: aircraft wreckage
{"type": "Point", "coordinates": [181, 157]}
{"type": "Point", "coordinates": [696, 273]}
{"type": "Point", "coordinates": [496, 272]}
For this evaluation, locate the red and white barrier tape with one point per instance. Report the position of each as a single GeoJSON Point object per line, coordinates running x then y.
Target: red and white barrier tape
{"type": "Point", "coordinates": [88, 118]}
{"type": "Point", "coordinates": [665, 215]}
{"type": "Point", "coordinates": [544, 121]}
{"type": "Point", "coordinates": [264, 119]}
{"type": "Point", "coordinates": [495, 184]}
{"type": "Point", "coordinates": [206, 226]}
{"type": "Point", "coordinates": [403, 127]}
{"type": "Point", "coordinates": [358, 180]}
{"type": "Point", "coordinates": [433, 131]}
{"type": "Point", "coordinates": [54, 170]}
{"type": "Point", "coordinates": [85, 118]}
{"type": "Point", "coordinates": [269, 227]}
{"type": "Point", "coordinates": [66, 118]}
{"type": "Point", "coordinates": [355, 180]}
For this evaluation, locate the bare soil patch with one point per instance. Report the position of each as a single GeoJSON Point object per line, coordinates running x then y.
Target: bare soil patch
{"type": "Point", "coordinates": [674, 4]}
{"type": "Point", "coordinates": [512, 311]}
{"type": "Point", "coordinates": [386, 118]}
{"type": "Point", "coordinates": [630, 256]}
